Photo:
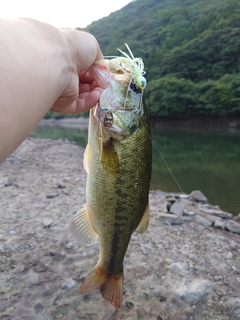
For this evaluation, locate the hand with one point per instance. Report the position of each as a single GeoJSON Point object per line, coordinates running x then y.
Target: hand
{"type": "Point", "coordinates": [83, 91]}
{"type": "Point", "coordinates": [88, 95]}
{"type": "Point", "coordinates": [42, 68]}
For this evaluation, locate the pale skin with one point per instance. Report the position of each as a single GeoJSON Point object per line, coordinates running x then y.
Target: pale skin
{"type": "Point", "coordinates": [42, 68]}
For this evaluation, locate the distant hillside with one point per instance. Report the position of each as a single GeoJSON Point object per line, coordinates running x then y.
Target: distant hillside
{"type": "Point", "coordinates": [191, 51]}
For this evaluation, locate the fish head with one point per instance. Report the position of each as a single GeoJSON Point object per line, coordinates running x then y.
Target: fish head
{"type": "Point", "coordinates": [120, 108]}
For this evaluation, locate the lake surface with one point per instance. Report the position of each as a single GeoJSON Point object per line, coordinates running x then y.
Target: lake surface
{"type": "Point", "coordinates": [200, 159]}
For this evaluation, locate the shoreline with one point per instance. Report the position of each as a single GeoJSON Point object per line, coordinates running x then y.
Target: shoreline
{"type": "Point", "coordinates": [231, 123]}
{"type": "Point", "coordinates": [66, 122]}
{"type": "Point", "coordinates": [185, 266]}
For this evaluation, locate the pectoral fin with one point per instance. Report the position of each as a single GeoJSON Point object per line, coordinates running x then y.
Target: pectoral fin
{"type": "Point", "coordinates": [144, 221]}
{"type": "Point", "coordinates": [86, 159]}
{"type": "Point", "coordinates": [110, 161]}
{"type": "Point", "coordinates": [81, 226]}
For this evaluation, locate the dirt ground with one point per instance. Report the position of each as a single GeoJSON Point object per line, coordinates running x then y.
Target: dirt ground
{"type": "Point", "coordinates": [176, 270]}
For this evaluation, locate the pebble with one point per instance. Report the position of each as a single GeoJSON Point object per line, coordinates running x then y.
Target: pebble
{"type": "Point", "coordinates": [12, 232]}
{"type": "Point", "coordinates": [69, 245]}
{"type": "Point", "coordinates": [61, 186]}
{"type": "Point", "coordinates": [70, 283]}
{"type": "Point", "coordinates": [229, 255]}
{"type": "Point", "coordinates": [4, 181]}
{"type": "Point", "coordinates": [52, 195]}
{"type": "Point", "coordinates": [47, 223]}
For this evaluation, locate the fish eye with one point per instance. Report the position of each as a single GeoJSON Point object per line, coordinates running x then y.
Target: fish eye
{"type": "Point", "coordinates": [134, 87]}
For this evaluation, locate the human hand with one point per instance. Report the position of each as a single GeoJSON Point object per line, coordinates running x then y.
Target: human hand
{"type": "Point", "coordinates": [42, 69]}
{"type": "Point", "coordinates": [83, 91]}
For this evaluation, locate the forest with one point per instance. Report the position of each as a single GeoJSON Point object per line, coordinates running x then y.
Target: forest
{"type": "Point", "coordinates": [191, 52]}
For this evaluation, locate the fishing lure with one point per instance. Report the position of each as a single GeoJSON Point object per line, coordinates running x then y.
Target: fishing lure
{"type": "Point", "coordinates": [137, 65]}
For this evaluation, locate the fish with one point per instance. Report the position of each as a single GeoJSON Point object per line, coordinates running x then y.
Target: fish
{"type": "Point", "coordinates": [118, 161]}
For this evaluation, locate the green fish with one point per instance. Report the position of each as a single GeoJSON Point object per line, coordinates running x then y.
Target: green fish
{"type": "Point", "coordinates": [118, 160]}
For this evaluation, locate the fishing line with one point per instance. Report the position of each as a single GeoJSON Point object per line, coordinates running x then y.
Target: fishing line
{"type": "Point", "coordinates": [165, 162]}
{"type": "Point", "coordinates": [171, 171]}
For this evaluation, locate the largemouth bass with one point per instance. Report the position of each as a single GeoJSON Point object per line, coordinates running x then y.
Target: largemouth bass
{"type": "Point", "coordinates": [118, 161]}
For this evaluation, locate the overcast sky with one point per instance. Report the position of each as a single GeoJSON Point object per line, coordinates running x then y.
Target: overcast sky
{"type": "Point", "coordinates": [67, 14]}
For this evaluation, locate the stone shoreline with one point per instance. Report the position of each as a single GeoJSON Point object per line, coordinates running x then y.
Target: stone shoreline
{"type": "Point", "coordinates": [185, 266]}
{"type": "Point", "coordinates": [66, 122]}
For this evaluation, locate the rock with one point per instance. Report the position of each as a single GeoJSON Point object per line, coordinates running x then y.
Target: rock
{"type": "Point", "coordinates": [177, 208]}
{"type": "Point", "coordinates": [233, 226]}
{"type": "Point", "coordinates": [194, 291]}
{"type": "Point", "coordinates": [218, 213]}
{"type": "Point", "coordinates": [219, 224]}
{"type": "Point", "coordinates": [189, 214]}
{"type": "Point", "coordinates": [170, 218]}
{"type": "Point", "coordinates": [203, 221]}
{"type": "Point", "coordinates": [167, 207]}
{"type": "Point", "coordinates": [70, 283]}
{"type": "Point", "coordinates": [47, 223]}
{"type": "Point", "coordinates": [210, 217]}
{"type": "Point", "coordinates": [198, 196]}
{"type": "Point", "coordinates": [170, 198]}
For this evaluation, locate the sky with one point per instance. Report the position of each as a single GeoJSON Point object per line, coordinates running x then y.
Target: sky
{"type": "Point", "coordinates": [61, 14]}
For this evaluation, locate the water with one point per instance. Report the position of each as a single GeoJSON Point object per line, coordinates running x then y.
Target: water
{"type": "Point", "coordinates": [206, 160]}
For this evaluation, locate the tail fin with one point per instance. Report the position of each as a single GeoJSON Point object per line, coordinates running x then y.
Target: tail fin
{"type": "Point", "coordinates": [110, 285]}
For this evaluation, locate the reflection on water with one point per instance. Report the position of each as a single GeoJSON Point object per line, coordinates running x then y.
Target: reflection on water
{"type": "Point", "coordinates": [199, 159]}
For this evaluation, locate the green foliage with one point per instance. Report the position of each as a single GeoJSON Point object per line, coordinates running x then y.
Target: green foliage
{"type": "Point", "coordinates": [182, 97]}
{"type": "Point", "coordinates": [190, 49]}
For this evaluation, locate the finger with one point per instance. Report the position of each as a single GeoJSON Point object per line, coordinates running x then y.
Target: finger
{"type": "Point", "coordinates": [85, 77]}
{"type": "Point", "coordinates": [85, 101]}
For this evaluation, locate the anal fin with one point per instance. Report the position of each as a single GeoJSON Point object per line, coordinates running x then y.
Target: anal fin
{"type": "Point", "coordinates": [143, 225]}
{"type": "Point", "coordinates": [81, 226]}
